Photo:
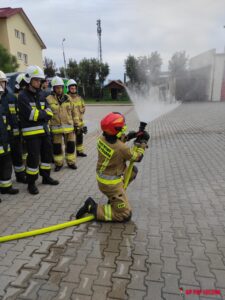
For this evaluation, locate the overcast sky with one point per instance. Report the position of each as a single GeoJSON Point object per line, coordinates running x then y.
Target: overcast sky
{"type": "Point", "coordinates": [135, 27]}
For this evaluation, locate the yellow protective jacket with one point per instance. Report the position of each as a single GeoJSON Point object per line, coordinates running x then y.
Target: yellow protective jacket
{"type": "Point", "coordinates": [80, 105]}
{"type": "Point", "coordinates": [112, 159]}
{"type": "Point", "coordinates": [65, 114]}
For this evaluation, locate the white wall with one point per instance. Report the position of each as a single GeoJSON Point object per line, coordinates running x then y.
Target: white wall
{"type": "Point", "coordinates": [218, 76]}
{"type": "Point", "coordinates": [216, 61]}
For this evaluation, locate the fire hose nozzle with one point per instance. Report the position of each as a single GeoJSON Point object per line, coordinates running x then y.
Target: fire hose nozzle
{"type": "Point", "coordinates": [142, 126]}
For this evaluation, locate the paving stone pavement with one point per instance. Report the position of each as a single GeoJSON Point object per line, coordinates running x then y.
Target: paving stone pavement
{"type": "Point", "coordinates": [176, 238]}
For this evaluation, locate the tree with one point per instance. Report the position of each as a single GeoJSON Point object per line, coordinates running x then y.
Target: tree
{"type": "Point", "coordinates": [84, 68]}
{"type": "Point", "coordinates": [131, 68]}
{"type": "Point", "coordinates": [8, 62]}
{"type": "Point", "coordinates": [154, 64]}
{"type": "Point", "coordinates": [178, 64]}
{"type": "Point", "coordinates": [72, 69]}
{"type": "Point", "coordinates": [61, 72]}
{"type": "Point", "coordinates": [92, 75]}
{"type": "Point", "coordinates": [103, 72]}
{"type": "Point", "coordinates": [144, 69]}
{"type": "Point", "coordinates": [49, 67]}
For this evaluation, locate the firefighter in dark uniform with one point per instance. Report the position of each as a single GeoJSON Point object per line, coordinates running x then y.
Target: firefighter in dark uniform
{"type": "Point", "coordinates": [5, 131]}
{"type": "Point", "coordinates": [15, 137]}
{"type": "Point", "coordinates": [20, 84]}
{"type": "Point", "coordinates": [111, 168]}
{"type": "Point", "coordinates": [34, 115]}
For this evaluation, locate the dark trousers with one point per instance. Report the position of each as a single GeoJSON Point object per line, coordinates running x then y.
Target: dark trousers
{"type": "Point", "coordinates": [5, 171]}
{"type": "Point", "coordinates": [16, 145]}
{"type": "Point", "coordinates": [39, 149]}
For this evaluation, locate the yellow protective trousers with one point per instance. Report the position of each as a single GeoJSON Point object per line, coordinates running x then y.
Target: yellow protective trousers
{"type": "Point", "coordinates": [69, 142]}
{"type": "Point", "coordinates": [118, 207]}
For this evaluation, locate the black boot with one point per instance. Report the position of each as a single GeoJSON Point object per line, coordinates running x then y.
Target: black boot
{"type": "Point", "coordinates": [89, 207]}
{"type": "Point", "coordinates": [81, 154]}
{"type": "Point", "coordinates": [32, 189]}
{"type": "Point", "coordinates": [58, 168]}
{"type": "Point", "coordinates": [74, 167]}
{"type": "Point", "coordinates": [10, 190]}
{"type": "Point", "coordinates": [21, 178]}
{"type": "Point", "coordinates": [49, 180]}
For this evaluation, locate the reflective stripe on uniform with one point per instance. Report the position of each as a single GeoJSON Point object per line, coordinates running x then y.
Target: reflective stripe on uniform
{"type": "Point", "coordinates": [34, 114]}
{"type": "Point", "coordinates": [12, 108]}
{"type": "Point", "coordinates": [16, 131]}
{"type": "Point", "coordinates": [49, 112]}
{"type": "Point", "coordinates": [42, 105]}
{"type": "Point", "coordinates": [45, 166]}
{"type": "Point", "coordinates": [80, 148]}
{"type": "Point", "coordinates": [70, 156]}
{"type": "Point", "coordinates": [32, 171]}
{"type": "Point", "coordinates": [108, 212]}
{"type": "Point", "coordinates": [24, 156]}
{"type": "Point", "coordinates": [104, 149]}
{"type": "Point", "coordinates": [58, 158]}
{"type": "Point", "coordinates": [5, 183]}
{"type": "Point", "coordinates": [62, 129]}
{"type": "Point", "coordinates": [19, 169]}
{"type": "Point", "coordinates": [33, 130]}
{"type": "Point", "coordinates": [109, 179]}
{"type": "Point", "coordinates": [2, 149]}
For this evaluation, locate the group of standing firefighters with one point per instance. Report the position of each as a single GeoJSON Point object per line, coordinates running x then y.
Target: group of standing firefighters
{"type": "Point", "coordinates": [36, 127]}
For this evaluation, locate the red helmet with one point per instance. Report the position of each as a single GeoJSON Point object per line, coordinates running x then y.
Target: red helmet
{"type": "Point", "coordinates": [113, 123]}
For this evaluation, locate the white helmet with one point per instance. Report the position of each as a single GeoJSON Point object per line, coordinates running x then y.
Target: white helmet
{"type": "Point", "coordinates": [56, 81]}
{"type": "Point", "coordinates": [18, 80]}
{"type": "Point", "coordinates": [71, 82]}
{"type": "Point", "coordinates": [3, 77]}
{"type": "Point", "coordinates": [33, 72]}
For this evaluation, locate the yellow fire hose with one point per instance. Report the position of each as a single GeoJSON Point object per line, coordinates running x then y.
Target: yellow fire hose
{"type": "Point", "coordinates": [21, 235]}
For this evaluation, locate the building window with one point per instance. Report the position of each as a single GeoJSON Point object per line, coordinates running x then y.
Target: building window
{"type": "Point", "coordinates": [19, 55]}
{"type": "Point", "coordinates": [17, 34]}
{"type": "Point", "coordinates": [23, 39]}
{"type": "Point", "coordinates": [25, 59]}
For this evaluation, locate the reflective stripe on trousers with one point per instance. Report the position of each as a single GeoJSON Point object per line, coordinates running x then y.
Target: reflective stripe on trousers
{"type": "Point", "coordinates": [109, 179]}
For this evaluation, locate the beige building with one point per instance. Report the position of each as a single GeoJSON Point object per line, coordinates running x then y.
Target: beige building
{"type": "Point", "coordinates": [208, 72]}
{"type": "Point", "coordinates": [20, 38]}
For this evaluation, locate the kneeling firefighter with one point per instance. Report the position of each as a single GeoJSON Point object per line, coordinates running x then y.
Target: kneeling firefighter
{"type": "Point", "coordinates": [34, 114]}
{"type": "Point", "coordinates": [111, 167]}
{"type": "Point", "coordinates": [65, 118]}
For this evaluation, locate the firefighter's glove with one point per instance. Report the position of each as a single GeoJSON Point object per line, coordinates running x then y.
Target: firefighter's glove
{"type": "Point", "coordinates": [89, 207]}
{"type": "Point", "coordinates": [85, 130]}
{"type": "Point", "coordinates": [131, 135]}
{"type": "Point", "coordinates": [142, 138]}
{"type": "Point", "coordinates": [77, 130]}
